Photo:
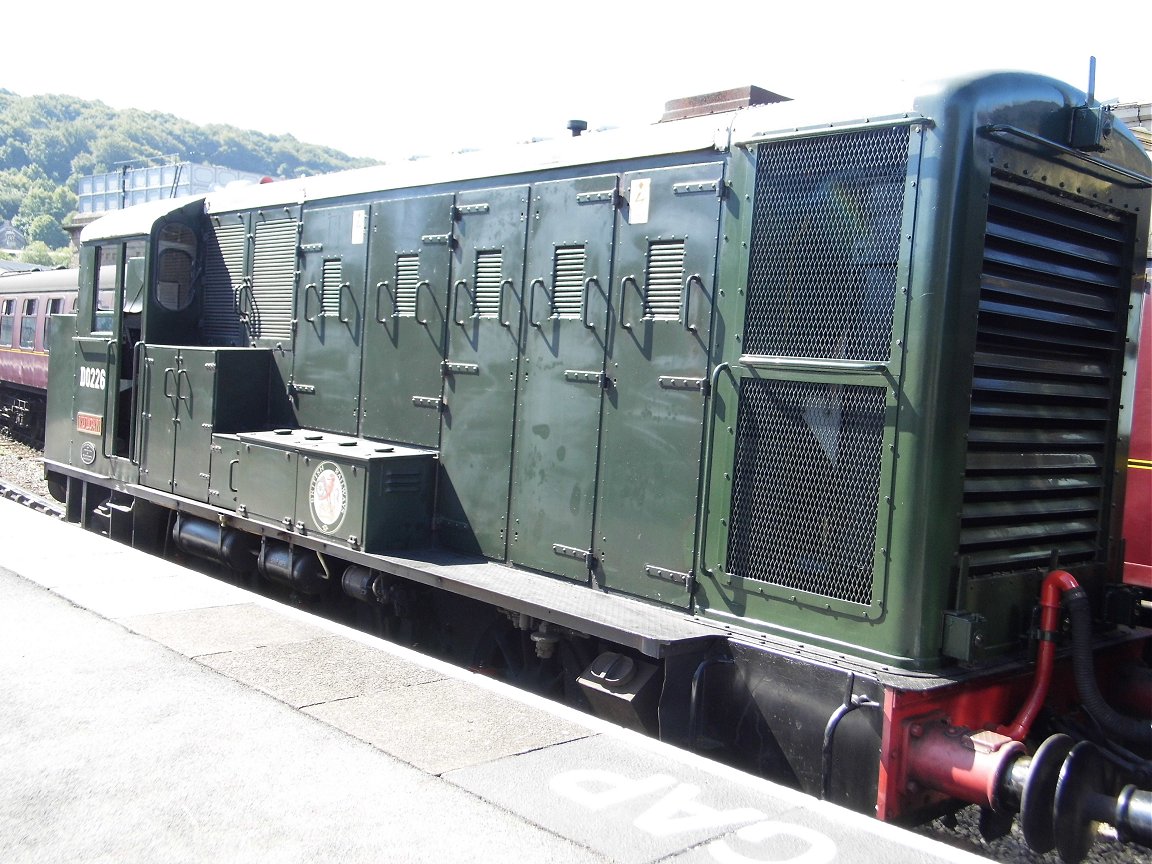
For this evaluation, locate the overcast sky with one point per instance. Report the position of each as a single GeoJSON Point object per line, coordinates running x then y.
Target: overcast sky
{"type": "Point", "coordinates": [390, 80]}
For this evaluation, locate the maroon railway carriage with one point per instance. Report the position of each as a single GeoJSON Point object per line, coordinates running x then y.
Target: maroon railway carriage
{"type": "Point", "coordinates": [27, 299]}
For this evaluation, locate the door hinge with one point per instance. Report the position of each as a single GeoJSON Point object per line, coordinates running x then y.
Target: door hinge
{"type": "Point", "coordinates": [572, 552]}
{"type": "Point", "coordinates": [685, 579]}
{"type": "Point", "coordinates": [669, 382]}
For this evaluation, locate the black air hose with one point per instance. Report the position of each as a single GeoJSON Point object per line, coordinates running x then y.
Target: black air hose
{"type": "Point", "coordinates": [1110, 720]}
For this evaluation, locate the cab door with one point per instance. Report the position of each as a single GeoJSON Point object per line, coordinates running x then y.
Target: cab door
{"type": "Point", "coordinates": [330, 318]}
{"type": "Point", "coordinates": [657, 364]}
{"type": "Point", "coordinates": [105, 377]}
{"type": "Point", "coordinates": [481, 370]}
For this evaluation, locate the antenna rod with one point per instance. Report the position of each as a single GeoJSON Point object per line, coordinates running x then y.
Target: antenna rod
{"type": "Point", "coordinates": [1091, 79]}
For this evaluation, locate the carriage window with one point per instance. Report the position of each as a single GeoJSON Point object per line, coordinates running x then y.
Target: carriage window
{"type": "Point", "coordinates": [28, 324]}
{"type": "Point", "coordinates": [7, 321]}
{"type": "Point", "coordinates": [55, 307]}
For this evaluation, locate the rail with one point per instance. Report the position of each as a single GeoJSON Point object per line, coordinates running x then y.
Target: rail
{"type": "Point", "coordinates": [32, 502]}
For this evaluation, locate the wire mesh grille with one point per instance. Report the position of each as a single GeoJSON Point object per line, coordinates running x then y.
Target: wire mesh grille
{"type": "Point", "coordinates": [825, 245]}
{"type": "Point", "coordinates": [807, 486]}
{"type": "Point", "coordinates": [1053, 300]}
{"type": "Point", "coordinates": [568, 281]}
{"type": "Point", "coordinates": [407, 278]}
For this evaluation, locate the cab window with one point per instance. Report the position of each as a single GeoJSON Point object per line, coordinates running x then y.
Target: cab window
{"type": "Point", "coordinates": [104, 309]}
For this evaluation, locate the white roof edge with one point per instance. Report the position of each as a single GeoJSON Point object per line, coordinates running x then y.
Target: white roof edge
{"type": "Point", "coordinates": [137, 219]}
{"type": "Point", "coordinates": [682, 136]}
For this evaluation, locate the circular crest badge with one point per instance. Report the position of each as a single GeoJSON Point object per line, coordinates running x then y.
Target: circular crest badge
{"type": "Point", "coordinates": [88, 453]}
{"type": "Point", "coordinates": [328, 496]}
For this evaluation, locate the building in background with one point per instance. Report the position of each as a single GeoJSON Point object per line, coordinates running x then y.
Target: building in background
{"type": "Point", "coordinates": [11, 240]}
{"type": "Point", "coordinates": [138, 183]}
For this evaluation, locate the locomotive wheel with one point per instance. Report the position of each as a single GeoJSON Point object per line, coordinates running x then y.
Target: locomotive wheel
{"type": "Point", "coordinates": [1037, 802]}
{"type": "Point", "coordinates": [1082, 779]}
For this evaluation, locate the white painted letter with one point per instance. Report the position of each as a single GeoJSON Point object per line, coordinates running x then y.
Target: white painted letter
{"type": "Point", "coordinates": [597, 789]}
{"type": "Point", "coordinates": [820, 847]}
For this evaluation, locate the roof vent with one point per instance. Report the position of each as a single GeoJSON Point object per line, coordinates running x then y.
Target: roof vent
{"type": "Point", "coordinates": [714, 103]}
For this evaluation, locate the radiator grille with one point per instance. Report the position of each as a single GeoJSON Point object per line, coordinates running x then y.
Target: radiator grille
{"type": "Point", "coordinates": [407, 278]}
{"type": "Point", "coordinates": [825, 245]}
{"type": "Point", "coordinates": [568, 281]}
{"type": "Point", "coordinates": [489, 272]}
{"type": "Point", "coordinates": [224, 257]}
{"type": "Point", "coordinates": [273, 279]}
{"type": "Point", "coordinates": [664, 286]}
{"type": "Point", "coordinates": [806, 486]}
{"type": "Point", "coordinates": [1053, 299]}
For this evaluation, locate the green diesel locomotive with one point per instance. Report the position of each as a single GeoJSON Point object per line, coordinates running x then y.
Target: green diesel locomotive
{"type": "Point", "coordinates": [775, 429]}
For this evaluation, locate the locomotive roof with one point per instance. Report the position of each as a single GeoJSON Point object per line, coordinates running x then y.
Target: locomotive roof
{"type": "Point", "coordinates": [715, 133]}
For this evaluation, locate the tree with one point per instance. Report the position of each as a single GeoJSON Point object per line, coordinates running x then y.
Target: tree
{"type": "Point", "coordinates": [48, 142]}
{"type": "Point", "coordinates": [46, 229]}
{"type": "Point", "coordinates": [38, 252]}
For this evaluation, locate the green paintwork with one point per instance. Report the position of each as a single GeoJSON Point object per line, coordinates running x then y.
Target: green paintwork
{"type": "Point", "coordinates": [60, 427]}
{"type": "Point", "coordinates": [537, 452]}
{"type": "Point", "coordinates": [480, 384]}
{"type": "Point", "coordinates": [330, 317]}
{"type": "Point", "coordinates": [266, 479]}
{"type": "Point", "coordinates": [651, 441]}
{"type": "Point", "coordinates": [160, 407]}
{"type": "Point", "coordinates": [222, 469]}
{"type": "Point", "coordinates": [558, 412]}
{"type": "Point", "coordinates": [189, 394]}
{"type": "Point", "coordinates": [404, 350]}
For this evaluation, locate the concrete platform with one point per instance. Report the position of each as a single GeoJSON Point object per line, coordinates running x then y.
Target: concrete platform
{"type": "Point", "coordinates": [151, 714]}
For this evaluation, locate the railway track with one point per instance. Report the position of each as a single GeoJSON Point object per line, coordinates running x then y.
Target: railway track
{"type": "Point", "coordinates": [32, 502]}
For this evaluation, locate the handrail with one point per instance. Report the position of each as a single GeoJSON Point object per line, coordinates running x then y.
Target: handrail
{"type": "Point", "coordinates": [1142, 180]}
{"type": "Point", "coordinates": [762, 361]}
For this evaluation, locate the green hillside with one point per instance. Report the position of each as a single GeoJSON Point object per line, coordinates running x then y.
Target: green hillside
{"type": "Point", "coordinates": [48, 142]}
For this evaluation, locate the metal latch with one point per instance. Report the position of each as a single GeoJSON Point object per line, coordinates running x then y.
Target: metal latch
{"type": "Point", "coordinates": [428, 402]}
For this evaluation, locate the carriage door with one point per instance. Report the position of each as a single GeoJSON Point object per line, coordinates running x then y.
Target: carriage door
{"type": "Point", "coordinates": [408, 265]}
{"type": "Point", "coordinates": [330, 318]}
{"type": "Point", "coordinates": [567, 283]}
{"type": "Point", "coordinates": [480, 370]}
{"type": "Point", "coordinates": [658, 369]}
